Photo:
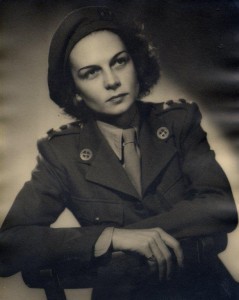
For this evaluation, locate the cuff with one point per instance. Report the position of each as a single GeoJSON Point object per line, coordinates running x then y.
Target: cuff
{"type": "Point", "coordinates": [103, 243]}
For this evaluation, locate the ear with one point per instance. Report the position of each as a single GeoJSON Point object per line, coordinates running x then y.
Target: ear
{"type": "Point", "coordinates": [78, 97]}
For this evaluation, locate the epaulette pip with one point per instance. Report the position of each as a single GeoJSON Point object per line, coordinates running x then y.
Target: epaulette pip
{"type": "Point", "coordinates": [162, 107]}
{"type": "Point", "coordinates": [70, 128]}
{"type": "Point", "coordinates": [170, 104]}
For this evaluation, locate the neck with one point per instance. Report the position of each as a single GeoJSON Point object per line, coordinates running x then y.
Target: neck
{"type": "Point", "coordinates": [123, 120]}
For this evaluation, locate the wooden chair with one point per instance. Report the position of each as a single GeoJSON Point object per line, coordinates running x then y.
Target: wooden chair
{"type": "Point", "coordinates": [54, 279]}
{"type": "Point", "coordinates": [48, 280]}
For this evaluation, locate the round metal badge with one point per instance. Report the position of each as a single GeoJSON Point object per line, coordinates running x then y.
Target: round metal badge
{"type": "Point", "coordinates": [163, 133]}
{"type": "Point", "coordinates": [86, 154]}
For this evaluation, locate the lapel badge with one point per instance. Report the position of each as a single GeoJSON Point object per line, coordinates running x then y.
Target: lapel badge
{"type": "Point", "coordinates": [86, 154]}
{"type": "Point", "coordinates": [162, 133]}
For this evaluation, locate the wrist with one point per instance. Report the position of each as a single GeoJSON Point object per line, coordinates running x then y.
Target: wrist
{"type": "Point", "coordinates": [104, 243]}
{"type": "Point", "coordinates": [116, 239]}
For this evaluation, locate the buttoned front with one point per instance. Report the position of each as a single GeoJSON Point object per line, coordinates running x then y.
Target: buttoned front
{"type": "Point", "coordinates": [184, 191]}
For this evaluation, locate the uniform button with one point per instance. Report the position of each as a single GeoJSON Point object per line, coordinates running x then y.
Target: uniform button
{"type": "Point", "coordinates": [97, 220]}
{"type": "Point", "coordinates": [139, 205]}
{"type": "Point", "coordinates": [163, 133]}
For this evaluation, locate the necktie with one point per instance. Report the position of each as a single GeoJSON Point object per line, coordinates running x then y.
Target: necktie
{"type": "Point", "coordinates": [131, 158]}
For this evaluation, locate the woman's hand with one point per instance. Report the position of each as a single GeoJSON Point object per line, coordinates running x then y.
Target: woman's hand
{"type": "Point", "coordinates": [151, 243]}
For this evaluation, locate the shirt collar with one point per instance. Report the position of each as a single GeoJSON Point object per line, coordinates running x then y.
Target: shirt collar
{"type": "Point", "coordinates": [113, 135]}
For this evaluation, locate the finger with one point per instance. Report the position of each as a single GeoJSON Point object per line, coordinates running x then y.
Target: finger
{"type": "Point", "coordinates": [152, 262]}
{"type": "Point", "coordinates": [165, 253]}
{"type": "Point", "coordinates": [161, 261]}
{"type": "Point", "coordinates": [174, 244]}
{"type": "Point", "coordinates": [147, 252]}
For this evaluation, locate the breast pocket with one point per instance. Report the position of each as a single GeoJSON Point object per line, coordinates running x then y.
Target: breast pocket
{"type": "Point", "coordinates": [98, 212]}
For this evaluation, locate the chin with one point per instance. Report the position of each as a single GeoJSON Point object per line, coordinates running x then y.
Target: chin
{"type": "Point", "coordinates": [120, 109]}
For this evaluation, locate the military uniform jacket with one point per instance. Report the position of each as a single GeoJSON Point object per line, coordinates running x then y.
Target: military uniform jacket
{"type": "Point", "coordinates": [185, 192]}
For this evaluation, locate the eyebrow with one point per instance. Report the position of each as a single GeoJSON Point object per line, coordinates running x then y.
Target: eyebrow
{"type": "Point", "coordinates": [96, 66]}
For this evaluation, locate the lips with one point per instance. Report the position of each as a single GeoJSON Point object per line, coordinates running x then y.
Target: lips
{"type": "Point", "coordinates": [117, 97]}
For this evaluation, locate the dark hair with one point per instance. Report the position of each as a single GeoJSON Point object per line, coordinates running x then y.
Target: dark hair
{"type": "Point", "coordinates": [145, 61]}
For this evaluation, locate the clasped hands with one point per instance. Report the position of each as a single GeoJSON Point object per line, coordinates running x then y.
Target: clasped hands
{"type": "Point", "coordinates": [154, 244]}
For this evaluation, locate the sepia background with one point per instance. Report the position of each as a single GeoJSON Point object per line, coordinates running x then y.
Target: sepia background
{"type": "Point", "coordinates": [198, 47]}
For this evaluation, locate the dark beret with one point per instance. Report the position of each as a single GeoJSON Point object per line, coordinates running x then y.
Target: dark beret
{"type": "Point", "coordinates": [74, 27]}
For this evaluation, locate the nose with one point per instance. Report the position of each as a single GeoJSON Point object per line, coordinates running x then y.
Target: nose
{"type": "Point", "coordinates": [111, 80]}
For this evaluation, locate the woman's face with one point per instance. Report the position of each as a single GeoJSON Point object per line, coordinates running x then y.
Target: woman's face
{"type": "Point", "coordinates": [104, 73]}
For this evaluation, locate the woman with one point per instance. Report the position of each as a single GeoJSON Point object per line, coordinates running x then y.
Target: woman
{"type": "Point", "coordinates": [139, 177]}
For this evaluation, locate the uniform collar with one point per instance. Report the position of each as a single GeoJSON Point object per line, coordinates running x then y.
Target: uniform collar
{"type": "Point", "coordinates": [113, 135]}
{"type": "Point", "coordinates": [155, 152]}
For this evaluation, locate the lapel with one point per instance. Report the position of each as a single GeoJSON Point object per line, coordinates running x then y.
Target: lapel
{"type": "Point", "coordinates": [156, 153]}
{"type": "Point", "coordinates": [103, 168]}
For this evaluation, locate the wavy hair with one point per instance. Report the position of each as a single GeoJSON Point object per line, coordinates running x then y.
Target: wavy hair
{"type": "Point", "coordinates": [145, 61]}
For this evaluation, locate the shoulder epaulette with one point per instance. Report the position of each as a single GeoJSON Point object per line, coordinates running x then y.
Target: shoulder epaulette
{"type": "Point", "coordinates": [70, 128]}
{"type": "Point", "coordinates": [171, 104]}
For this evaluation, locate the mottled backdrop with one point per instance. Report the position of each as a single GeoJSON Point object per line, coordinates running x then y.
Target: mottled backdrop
{"type": "Point", "coordinates": [198, 46]}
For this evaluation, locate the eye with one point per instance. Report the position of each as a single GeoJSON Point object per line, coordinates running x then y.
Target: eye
{"type": "Point", "coordinates": [121, 61]}
{"type": "Point", "coordinates": [88, 74]}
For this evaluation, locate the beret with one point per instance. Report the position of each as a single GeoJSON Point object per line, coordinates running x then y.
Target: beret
{"type": "Point", "coordinates": [76, 25]}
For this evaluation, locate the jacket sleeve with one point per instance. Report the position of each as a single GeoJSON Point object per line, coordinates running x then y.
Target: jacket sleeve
{"type": "Point", "coordinates": [26, 238]}
{"type": "Point", "coordinates": [208, 207]}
